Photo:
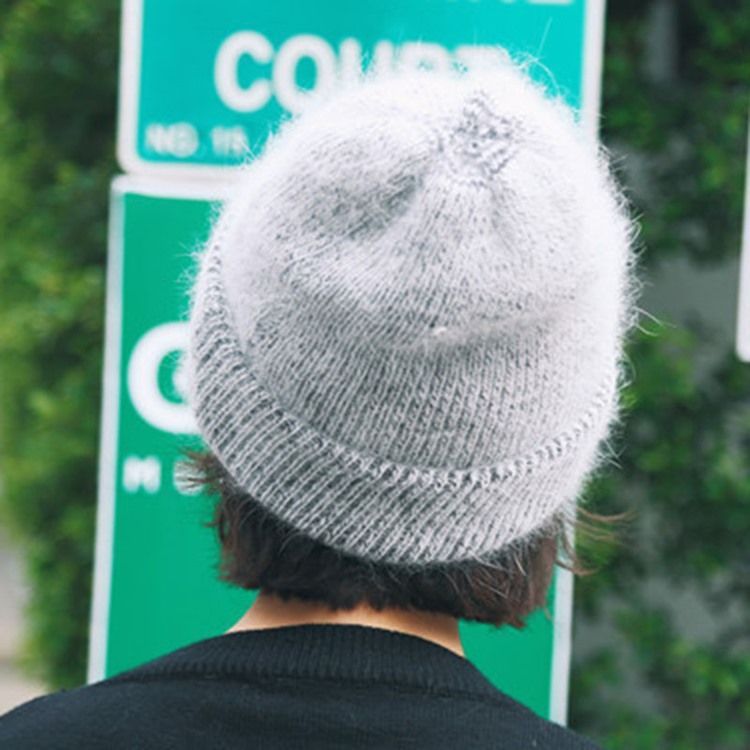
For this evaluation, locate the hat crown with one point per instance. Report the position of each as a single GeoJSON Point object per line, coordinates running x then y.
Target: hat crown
{"type": "Point", "coordinates": [419, 204]}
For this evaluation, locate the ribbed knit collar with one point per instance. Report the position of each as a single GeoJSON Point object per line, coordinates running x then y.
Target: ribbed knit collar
{"type": "Point", "coordinates": [338, 653]}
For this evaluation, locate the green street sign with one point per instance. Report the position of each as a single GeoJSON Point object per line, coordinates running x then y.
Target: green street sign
{"type": "Point", "coordinates": [155, 585]}
{"type": "Point", "coordinates": [202, 83]}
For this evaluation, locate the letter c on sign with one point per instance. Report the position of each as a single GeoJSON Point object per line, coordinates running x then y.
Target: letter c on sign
{"type": "Point", "coordinates": [226, 78]}
{"type": "Point", "coordinates": [143, 379]}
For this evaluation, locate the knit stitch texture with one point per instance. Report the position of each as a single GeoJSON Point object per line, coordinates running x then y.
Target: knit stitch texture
{"type": "Point", "coordinates": [407, 325]}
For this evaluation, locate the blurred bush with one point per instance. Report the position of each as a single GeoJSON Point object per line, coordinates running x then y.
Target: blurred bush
{"type": "Point", "coordinates": [58, 65]}
{"type": "Point", "coordinates": [662, 680]}
{"type": "Point", "coordinates": [683, 449]}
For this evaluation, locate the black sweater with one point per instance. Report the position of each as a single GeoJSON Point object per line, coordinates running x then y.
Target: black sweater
{"type": "Point", "coordinates": [307, 686]}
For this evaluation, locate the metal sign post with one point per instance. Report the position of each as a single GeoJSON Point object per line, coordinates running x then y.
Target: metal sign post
{"type": "Point", "coordinates": [202, 85]}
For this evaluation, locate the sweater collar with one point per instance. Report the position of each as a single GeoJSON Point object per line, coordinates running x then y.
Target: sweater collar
{"type": "Point", "coordinates": [324, 652]}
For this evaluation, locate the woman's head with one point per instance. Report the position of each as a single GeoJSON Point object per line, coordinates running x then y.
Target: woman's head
{"type": "Point", "coordinates": [407, 325]}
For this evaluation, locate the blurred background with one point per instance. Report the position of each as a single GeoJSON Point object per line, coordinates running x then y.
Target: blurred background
{"type": "Point", "coordinates": [662, 632]}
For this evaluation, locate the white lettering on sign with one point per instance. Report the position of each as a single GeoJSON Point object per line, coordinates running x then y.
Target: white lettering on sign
{"type": "Point", "coordinates": [143, 379]}
{"type": "Point", "coordinates": [254, 46]}
{"type": "Point", "coordinates": [292, 52]}
{"type": "Point", "coordinates": [330, 65]}
{"type": "Point", "coordinates": [178, 139]}
{"type": "Point", "coordinates": [229, 141]}
{"type": "Point", "coordinates": [141, 474]}
{"type": "Point", "coordinates": [351, 63]}
{"type": "Point", "coordinates": [350, 60]}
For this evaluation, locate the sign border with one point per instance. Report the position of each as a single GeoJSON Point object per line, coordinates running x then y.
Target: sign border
{"type": "Point", "coordinates": [108, 437]}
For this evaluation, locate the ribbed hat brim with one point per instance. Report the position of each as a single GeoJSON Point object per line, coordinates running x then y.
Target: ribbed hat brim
{"type": "Point", "coordinates": [361, 504]}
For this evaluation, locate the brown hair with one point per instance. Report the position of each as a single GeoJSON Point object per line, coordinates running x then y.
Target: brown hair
{"type": "Point", "coordinates": [260, 551]}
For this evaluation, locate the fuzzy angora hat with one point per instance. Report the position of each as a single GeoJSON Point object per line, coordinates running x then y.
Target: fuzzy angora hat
{"type": "Point", "coordinates": [406, 328]}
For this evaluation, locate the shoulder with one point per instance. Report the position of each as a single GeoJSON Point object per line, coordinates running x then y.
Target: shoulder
{"type": "Point", "coordinates": [34, 724]}
{"type": "Point", "coordinates": [450, 719]}
{"type": "Point", "coordinates": [146, 707]}
{"type": "Point", "coordinates": [494, 713]}
{"type": "Point", "coordinates": [122, 711]}
{"type": "Point", "coordinates": [547, 734]}
{"type": "Point", "coordinates": [526, 729]}
{"type": "Point", "coordinates": [109, 714]}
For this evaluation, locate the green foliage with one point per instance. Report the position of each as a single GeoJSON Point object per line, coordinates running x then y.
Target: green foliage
{"type": "Point", "coordinates": [691, 127]}
{"type": "Point", "coordinates": [685, 469]}
{"type": "Point", "coordinates": [57, 62]}
{"type": "Point", "coordinates": [683, 451]}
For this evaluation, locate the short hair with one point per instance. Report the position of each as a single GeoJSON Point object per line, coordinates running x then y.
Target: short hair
{"type": "Point", "coordinates": [261, 551]}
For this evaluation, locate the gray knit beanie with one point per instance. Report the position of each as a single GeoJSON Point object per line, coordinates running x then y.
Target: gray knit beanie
{"type": "Point", "coordinates": [406, 328]}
